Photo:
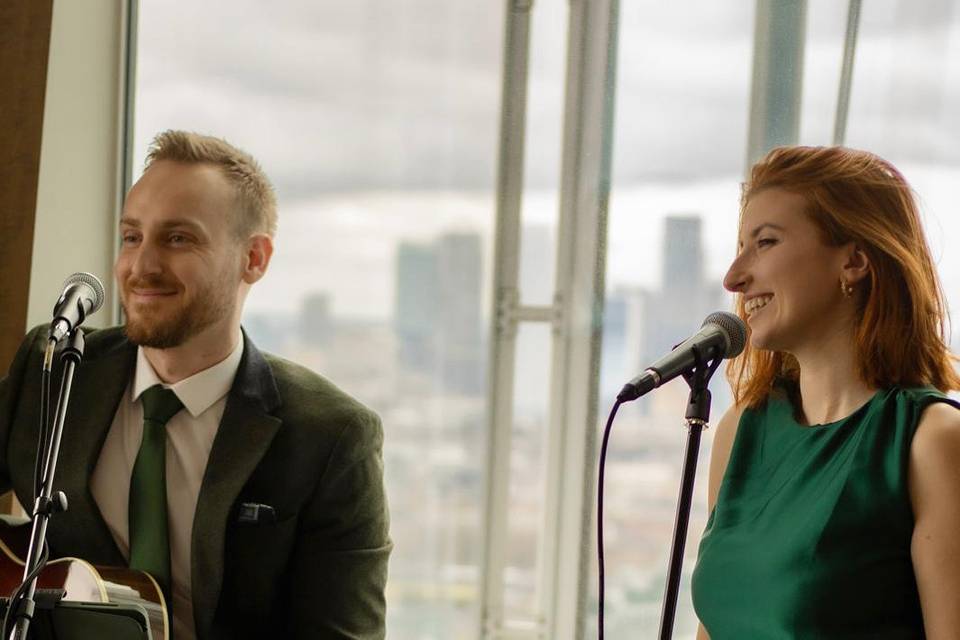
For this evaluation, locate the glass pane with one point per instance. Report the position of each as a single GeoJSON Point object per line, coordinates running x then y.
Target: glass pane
{"type": "Point", "coordinates": [905, 106]}
{"type": "Point", "coordinates": [543, 148]}
{"type": "Point", "coordinates": [822, 64]}
{"type": "Point", "coordinates": [378, 123]}
{"type": "Point", "coordinates": [527, 472]}
{"type": "Point", "coordinates": [679, 152]}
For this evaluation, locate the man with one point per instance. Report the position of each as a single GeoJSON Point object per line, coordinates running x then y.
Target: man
{"type": "Point", "coordinates": [275, 522]}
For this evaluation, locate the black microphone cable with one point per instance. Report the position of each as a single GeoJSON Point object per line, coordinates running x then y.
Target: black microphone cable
{"type": "Point", "coordinates": [20, 592]}
{"type": "Point", "coordinates": [602, 466]}
{"type": "Point", "coordinates": [44, 416]}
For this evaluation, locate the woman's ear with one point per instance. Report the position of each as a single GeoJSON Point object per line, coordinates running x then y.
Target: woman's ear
{"type": "Point", "coordinates": [857, 264]}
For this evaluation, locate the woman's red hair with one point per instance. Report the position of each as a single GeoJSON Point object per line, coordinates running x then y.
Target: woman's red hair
{"type": "Point", "coordinates": [856, 196]}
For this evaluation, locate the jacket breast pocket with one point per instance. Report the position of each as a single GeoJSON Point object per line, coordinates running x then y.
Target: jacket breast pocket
{"type": "Point", "coordinates": [258, 554]}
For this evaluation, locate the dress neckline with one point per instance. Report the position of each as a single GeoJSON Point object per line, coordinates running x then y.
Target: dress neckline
{"type": "Point", "coordinates": [827, 425]}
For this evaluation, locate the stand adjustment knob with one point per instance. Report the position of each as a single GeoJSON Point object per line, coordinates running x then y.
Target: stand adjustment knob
{"type": "Point", "coordinates": [57, 503]}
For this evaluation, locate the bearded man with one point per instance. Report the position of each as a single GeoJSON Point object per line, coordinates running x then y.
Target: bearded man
{"type": "Point", "coordinates": [256, 501]}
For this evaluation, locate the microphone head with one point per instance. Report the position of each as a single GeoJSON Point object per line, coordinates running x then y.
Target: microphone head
{"type": "Point", "coordinates": [93, 282]}
{"type": "Point", "coordinates": [733, 328]}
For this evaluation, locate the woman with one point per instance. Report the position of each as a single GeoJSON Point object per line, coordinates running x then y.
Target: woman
{"type": "Point", "coordinates": [835, 479]}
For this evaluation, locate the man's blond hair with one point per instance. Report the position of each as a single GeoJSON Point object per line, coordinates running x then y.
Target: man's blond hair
{"type": "Point", "coordinates": [255, 196]}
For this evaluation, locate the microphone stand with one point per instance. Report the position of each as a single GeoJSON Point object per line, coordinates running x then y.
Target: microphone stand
{"type": "Point", "coordinates": [47, 503]}
{"type": "Point", "coordinates": [697, 416]}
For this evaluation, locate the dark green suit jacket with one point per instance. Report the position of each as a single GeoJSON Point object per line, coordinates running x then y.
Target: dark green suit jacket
{"type": "Point", "coordinates": [288, 439]}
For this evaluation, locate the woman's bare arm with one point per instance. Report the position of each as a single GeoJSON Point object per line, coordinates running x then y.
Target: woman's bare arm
{"type": "Point", "coordinates": [934, 478]}
{"type": "Point", "coordinates": [726, 431]}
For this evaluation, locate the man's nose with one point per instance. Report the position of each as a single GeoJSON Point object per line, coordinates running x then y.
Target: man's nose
{"type": "Point", "coordinates": [146, 260]}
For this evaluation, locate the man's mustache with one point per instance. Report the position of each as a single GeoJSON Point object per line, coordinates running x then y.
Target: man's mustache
{"type": "Point", "coordinates": [150, 283]}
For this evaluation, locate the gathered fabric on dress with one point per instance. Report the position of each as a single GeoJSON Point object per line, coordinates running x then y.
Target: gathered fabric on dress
{"type": "Point", "coordinates": [810, 535]}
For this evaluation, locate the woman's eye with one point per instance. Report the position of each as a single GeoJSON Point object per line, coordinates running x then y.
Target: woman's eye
{"type": "Point", "coordinates": [763, 242]}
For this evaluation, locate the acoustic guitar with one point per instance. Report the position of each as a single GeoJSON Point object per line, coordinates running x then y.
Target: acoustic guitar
{"type": "Point", "coordinates": [82, 581]}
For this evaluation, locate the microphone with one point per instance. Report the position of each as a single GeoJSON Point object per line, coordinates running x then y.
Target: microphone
{"type": "Point", "coordinates": [722, 335]}
{"type": "Point", "coordinates": [82, 295]}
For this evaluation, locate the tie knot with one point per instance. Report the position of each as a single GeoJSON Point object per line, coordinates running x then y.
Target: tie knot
{"type": "Point", "coordinates": [159, 404]}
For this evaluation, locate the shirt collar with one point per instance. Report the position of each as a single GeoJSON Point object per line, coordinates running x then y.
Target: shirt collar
{"type": "Point", "coordinates": [198, 392]}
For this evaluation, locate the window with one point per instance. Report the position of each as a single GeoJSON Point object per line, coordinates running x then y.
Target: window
{"type": "Point", "coordinates": [377, 122]}
{"type": "Point", "coordinates": [683, 103]}
{"type": "Point", "coordinates": [905, 106]}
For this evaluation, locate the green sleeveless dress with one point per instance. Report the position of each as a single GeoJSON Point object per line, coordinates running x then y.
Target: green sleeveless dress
{"type": "Point", "coordinates": [810, 535]}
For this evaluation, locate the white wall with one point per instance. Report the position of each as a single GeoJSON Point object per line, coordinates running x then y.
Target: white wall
{"type": "Point", "coordinates": [79, 183]}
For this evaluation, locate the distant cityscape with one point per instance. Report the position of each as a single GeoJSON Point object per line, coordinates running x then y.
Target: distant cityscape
{"type": "Point", "coordinates": [379, 124]}
{"type": "Point", "coordinates": [424, 370]}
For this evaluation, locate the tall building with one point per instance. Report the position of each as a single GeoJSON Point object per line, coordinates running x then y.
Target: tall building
{"type": "Point", "coordinates": [623, 319]}
{"type": "Point", "coordinates": [459, 274]}
{"type": "Point", "coordinates": [682, 257]}
{"type": "Point", "coordinates": [437, 311]}
{"type": "Point", "coordinates": [685, 297]}
{"type": "Point", "coordinates": [316, 322]}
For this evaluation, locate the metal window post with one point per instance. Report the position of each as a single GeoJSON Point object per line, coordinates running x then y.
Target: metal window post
{"type": "Point", "coordinates": [506, 300]}
{"type": "Point", "coordinates": [846, 73]}
{"type": "Point", "coordinates": [777, 86]}
{"type": "Point", "coordinates": [581, 266]}
{"type": "Point", "coordinates": [127, 73]}
{"type": "Point", "coordinates": [563, 561]}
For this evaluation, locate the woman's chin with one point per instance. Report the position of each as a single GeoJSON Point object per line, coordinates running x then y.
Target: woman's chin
{"type": "Point", "coordinates": [760, 340]}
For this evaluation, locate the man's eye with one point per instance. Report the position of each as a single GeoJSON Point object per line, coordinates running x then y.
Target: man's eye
{"type": "Point", "coordinates": [128, 238]}
{"type": "Point", "coordinates": [177, 238]}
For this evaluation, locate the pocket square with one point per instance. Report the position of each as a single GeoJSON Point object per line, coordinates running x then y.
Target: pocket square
{"type": "Point", "coordinates": [256, 513]}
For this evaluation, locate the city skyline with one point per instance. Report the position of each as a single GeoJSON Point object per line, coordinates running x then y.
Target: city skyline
{"type": "Point", "coordinates": [436, 420]}
{"type": "Point", "coordinates": [379, 124]}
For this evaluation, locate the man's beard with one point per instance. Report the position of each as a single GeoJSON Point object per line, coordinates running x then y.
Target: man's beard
{"type": "Point", "coordinates": [209, 305]}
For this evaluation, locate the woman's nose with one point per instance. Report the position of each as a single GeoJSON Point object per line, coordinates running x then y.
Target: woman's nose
{"type": "Point", "coordinates": [737, 277]}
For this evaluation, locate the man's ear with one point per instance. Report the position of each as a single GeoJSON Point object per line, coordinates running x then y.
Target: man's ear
{"type": "Point", "coordinates": [857, 265]}
{"type": "Point", "coordinates": [256, 257]}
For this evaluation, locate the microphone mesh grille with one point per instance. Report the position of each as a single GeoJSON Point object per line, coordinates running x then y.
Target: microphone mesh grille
{"type": "Point", "coordinates": [92, 281]}
{"type": "Point", "coordinates": [733, 327]}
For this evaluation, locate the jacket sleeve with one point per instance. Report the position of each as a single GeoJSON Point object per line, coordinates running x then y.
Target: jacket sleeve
{"type": "Point", "coordinates": [343, 544]}
{"type": "Point", "coordinates": [10, 387]}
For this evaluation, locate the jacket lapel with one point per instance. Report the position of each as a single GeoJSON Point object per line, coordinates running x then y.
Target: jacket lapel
{"type": "Point", "coordinates": [98, 385]}
{"type": "Point", "coordinates": [101, 387]}
{"type": "Point", "coordinates": [245, 433]}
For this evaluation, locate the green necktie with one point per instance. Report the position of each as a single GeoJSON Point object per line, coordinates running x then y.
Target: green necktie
{"type": "Point", "coordinates": [149, 540]}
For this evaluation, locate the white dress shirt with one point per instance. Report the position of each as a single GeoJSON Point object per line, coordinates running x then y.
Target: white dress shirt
{"type": "Point", "coordinates": [190, 435]}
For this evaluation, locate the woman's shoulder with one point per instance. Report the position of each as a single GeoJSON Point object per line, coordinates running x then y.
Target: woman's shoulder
{"type": "Point", "coordinates": [916, 403]}
{"type": "Point", "coordinates": [938, 427]}
{"type": "Point", "coordinates": [924, 395]}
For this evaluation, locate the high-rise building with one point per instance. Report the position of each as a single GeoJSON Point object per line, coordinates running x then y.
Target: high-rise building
{"type": "Point", "coordinates": [316, 322]}
{"type": "Point", "coordinates": [685, 298]}
{"type": "Point", "coordinates": [459, 274]}
{"type": "Point", "coordinates": [623, 329]}
{"type": "Point", "coordinates": [437, 314]}
{"type": "Point", "coordinates": [682, 257]}
{"type": "Point", "coordinates": [415, 306]}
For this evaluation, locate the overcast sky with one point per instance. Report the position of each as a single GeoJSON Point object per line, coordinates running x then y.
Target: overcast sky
{"type": "Point", "coordinates": [405, 93]}
{"type": "Point", "coordinates": [378, 119]}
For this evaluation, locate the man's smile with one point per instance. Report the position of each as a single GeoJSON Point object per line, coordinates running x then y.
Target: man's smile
{"type": "Point", "coordinates": [151, 294]}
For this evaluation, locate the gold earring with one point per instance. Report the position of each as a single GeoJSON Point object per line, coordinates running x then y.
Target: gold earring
{"type": "Point", "coordinates": [846, 289]}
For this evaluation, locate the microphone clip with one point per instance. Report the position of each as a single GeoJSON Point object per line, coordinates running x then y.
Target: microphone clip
{"type": "Point", "coordinates": [698, 377]}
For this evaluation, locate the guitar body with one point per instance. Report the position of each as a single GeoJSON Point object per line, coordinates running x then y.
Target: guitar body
{"type": "Point", "coordinates": [82, 581]}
